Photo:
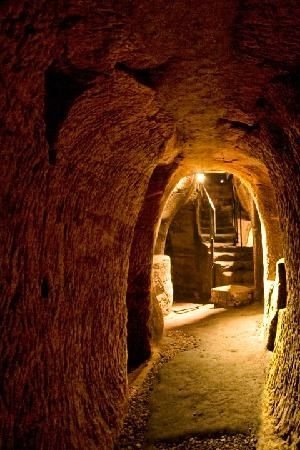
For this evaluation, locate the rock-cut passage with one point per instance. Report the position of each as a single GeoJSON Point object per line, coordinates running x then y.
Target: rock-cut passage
{"type": "Point", "coordinates": [215, 388]}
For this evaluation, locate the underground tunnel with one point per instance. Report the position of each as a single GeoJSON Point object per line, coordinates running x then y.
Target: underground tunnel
{"type": "Point", "coordinates": [109, 110]}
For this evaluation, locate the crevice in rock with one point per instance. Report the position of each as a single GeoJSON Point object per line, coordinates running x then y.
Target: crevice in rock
{"type": "Point", "coordinates": [69, 21]}
{"type": "Point", "coordinates": [280, 140]}
{"type": "Point", "coordinates": [235, 124]}
{"type": "Point", "coordinates": [282, 294]}
{"type": "Point", "coordinates": [261, 102]}
{"type": "Point", "coordinates": [289, 79]}
{"type": "Point", "coordinates": [150, 77]}
{"type": "Point", "coordinates": [44, 288]}
{"type": "Point", "coordinates": [61, 91]}
{"type": "Point", "coordinates": [15, 299]}
{"type": "Point", "coordinates": [264, 107]}
{"type": "Point", "coordinates": [272, 333]}
{"type": "Point", "coordinates": [227, 161]}
{"type": "Point", "coordinates": [29, 30]}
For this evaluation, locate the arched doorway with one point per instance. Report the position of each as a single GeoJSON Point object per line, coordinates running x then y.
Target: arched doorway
{"type": "Point", "coordinates": [211, 232]}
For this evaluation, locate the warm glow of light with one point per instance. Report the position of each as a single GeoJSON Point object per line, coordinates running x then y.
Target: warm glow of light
{"type": "Point", "coordinates": [200, 177]}
{"type": "Point", "coordinates": [180, 184]}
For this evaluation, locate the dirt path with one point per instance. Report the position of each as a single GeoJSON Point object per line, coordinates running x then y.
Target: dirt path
{"type": "Point", "coordinates": [208, 395]}
{"type": "Point", "coordinates": [215, 387]}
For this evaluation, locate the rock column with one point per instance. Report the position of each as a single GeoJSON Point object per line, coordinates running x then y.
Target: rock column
{"type": "Point", "coordinates": [162, 283]}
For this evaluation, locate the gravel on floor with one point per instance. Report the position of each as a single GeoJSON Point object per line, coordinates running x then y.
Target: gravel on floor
{"type": "Point", "coordinates": [226, 441]}
{"type": "Point", "coordinates": [135, 425]}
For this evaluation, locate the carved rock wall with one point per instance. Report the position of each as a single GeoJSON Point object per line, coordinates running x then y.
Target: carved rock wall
{"type": "Point", "coordinates": [189, 257]}
{"type": "Point", "coordinates": [91, 94]}
{"type": "Point", "coordinates": [162, 285]}
{"type": "Point", "coordinates": [140, 323]}
{"type": "Point", "coordinates": [180, 195]}
{"type": "Point", "coordinates": [67, 224]}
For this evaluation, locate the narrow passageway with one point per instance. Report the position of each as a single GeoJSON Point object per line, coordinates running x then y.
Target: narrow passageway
{"type": "Point", "coordinates": [208, 395]}
{"type": "Point", "coordinates": [150, 155]}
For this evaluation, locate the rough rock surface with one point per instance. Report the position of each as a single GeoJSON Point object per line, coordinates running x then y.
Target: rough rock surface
{"type": "Point", "coordinates": [162, 283]}
{"type": "Point", "coordinates": [231, 295]}
{"type": "Point", "coordinates": [180, 195]}
{"type": "Point", "coordinates": [276, 302]}
{"type": "Point", "coordinates": [156, 320]}
{"type": "Point", "coordinates": [96, 98]}
{"type": "Point", "coordinates": [189, 256]}
{"type": "Point", "coordinates": [138, 297]}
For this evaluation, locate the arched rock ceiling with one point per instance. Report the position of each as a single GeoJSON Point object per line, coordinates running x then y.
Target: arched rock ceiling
{"type": "Point", "coordinates": [205, 69]}
{"type": "Point", "coordinates": [208, 62]}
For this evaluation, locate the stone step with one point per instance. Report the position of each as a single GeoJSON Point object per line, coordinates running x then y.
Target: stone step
{"type": "Point", "coordinates": [219, 247]}
{"type": "Point", "coordinates": [221, 211]}
{"type": "Point", "coordinates": [205, 233]}
{"type": "Point", "coordinates": [221, 227]}
{"type": "Point", "coordinates": [225, 229]}
{"type": "Point", "coordinates": [236, 265]}
{"type": "Point", "coordinates": [220, 188]}
{"type": "Point", "coordinates": [220, 197]}
{"type": "Point", "coordinates": [235, 277]}
{"type": "Point", "coordinates": [233, 255]}
{"type": "Point", "coordinates": [232, 295]}
{"type": "Point", "coordinates": [220, 223]}
{"type": "Point", "coordinates": [227, 237]}
{"type": "Point", "coordinates": [221, 208]}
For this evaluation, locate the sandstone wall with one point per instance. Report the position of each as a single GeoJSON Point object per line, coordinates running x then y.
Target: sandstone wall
{"type": "Point", "coordinates": [181, 194]}
{"type": "Point", "coordinates": [91, 94]}
{"type": "Point", "coordinates": [69, 206]}
{"type": "Point", "coordinates": [189, 257]}
{"type": "Point", "coordinates": [140, 324]}
{"type": "Point", "coordinates": [162, 285]}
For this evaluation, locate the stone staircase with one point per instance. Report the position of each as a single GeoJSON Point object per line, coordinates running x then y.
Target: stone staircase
{"type": "Point", "coordinates": [221, 195]}
{"type": "Point", "coordinates": [233, 264]}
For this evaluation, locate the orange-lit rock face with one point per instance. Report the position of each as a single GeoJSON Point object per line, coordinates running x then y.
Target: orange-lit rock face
{"type": "Point", "coordinates": [162, 282]}
{"type": "Point", "coordinates": [92, 97]}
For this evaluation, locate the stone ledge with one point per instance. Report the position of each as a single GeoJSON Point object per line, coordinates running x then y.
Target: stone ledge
{"type": "Point", "coordinates": [232, 295]}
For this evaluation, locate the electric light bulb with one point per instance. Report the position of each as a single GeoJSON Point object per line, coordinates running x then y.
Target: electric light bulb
{"type": "Point", "coordinates": [200, 177]}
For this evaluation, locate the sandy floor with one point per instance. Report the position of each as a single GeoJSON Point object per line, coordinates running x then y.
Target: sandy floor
{"type": "Point", "coordinates": [202, 390]}
{"type": "Point", "coordinates": [217, 386]}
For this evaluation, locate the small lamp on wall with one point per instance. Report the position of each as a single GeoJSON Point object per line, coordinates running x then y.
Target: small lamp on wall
{"type": "Point", "coordinates": [200, 177]}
